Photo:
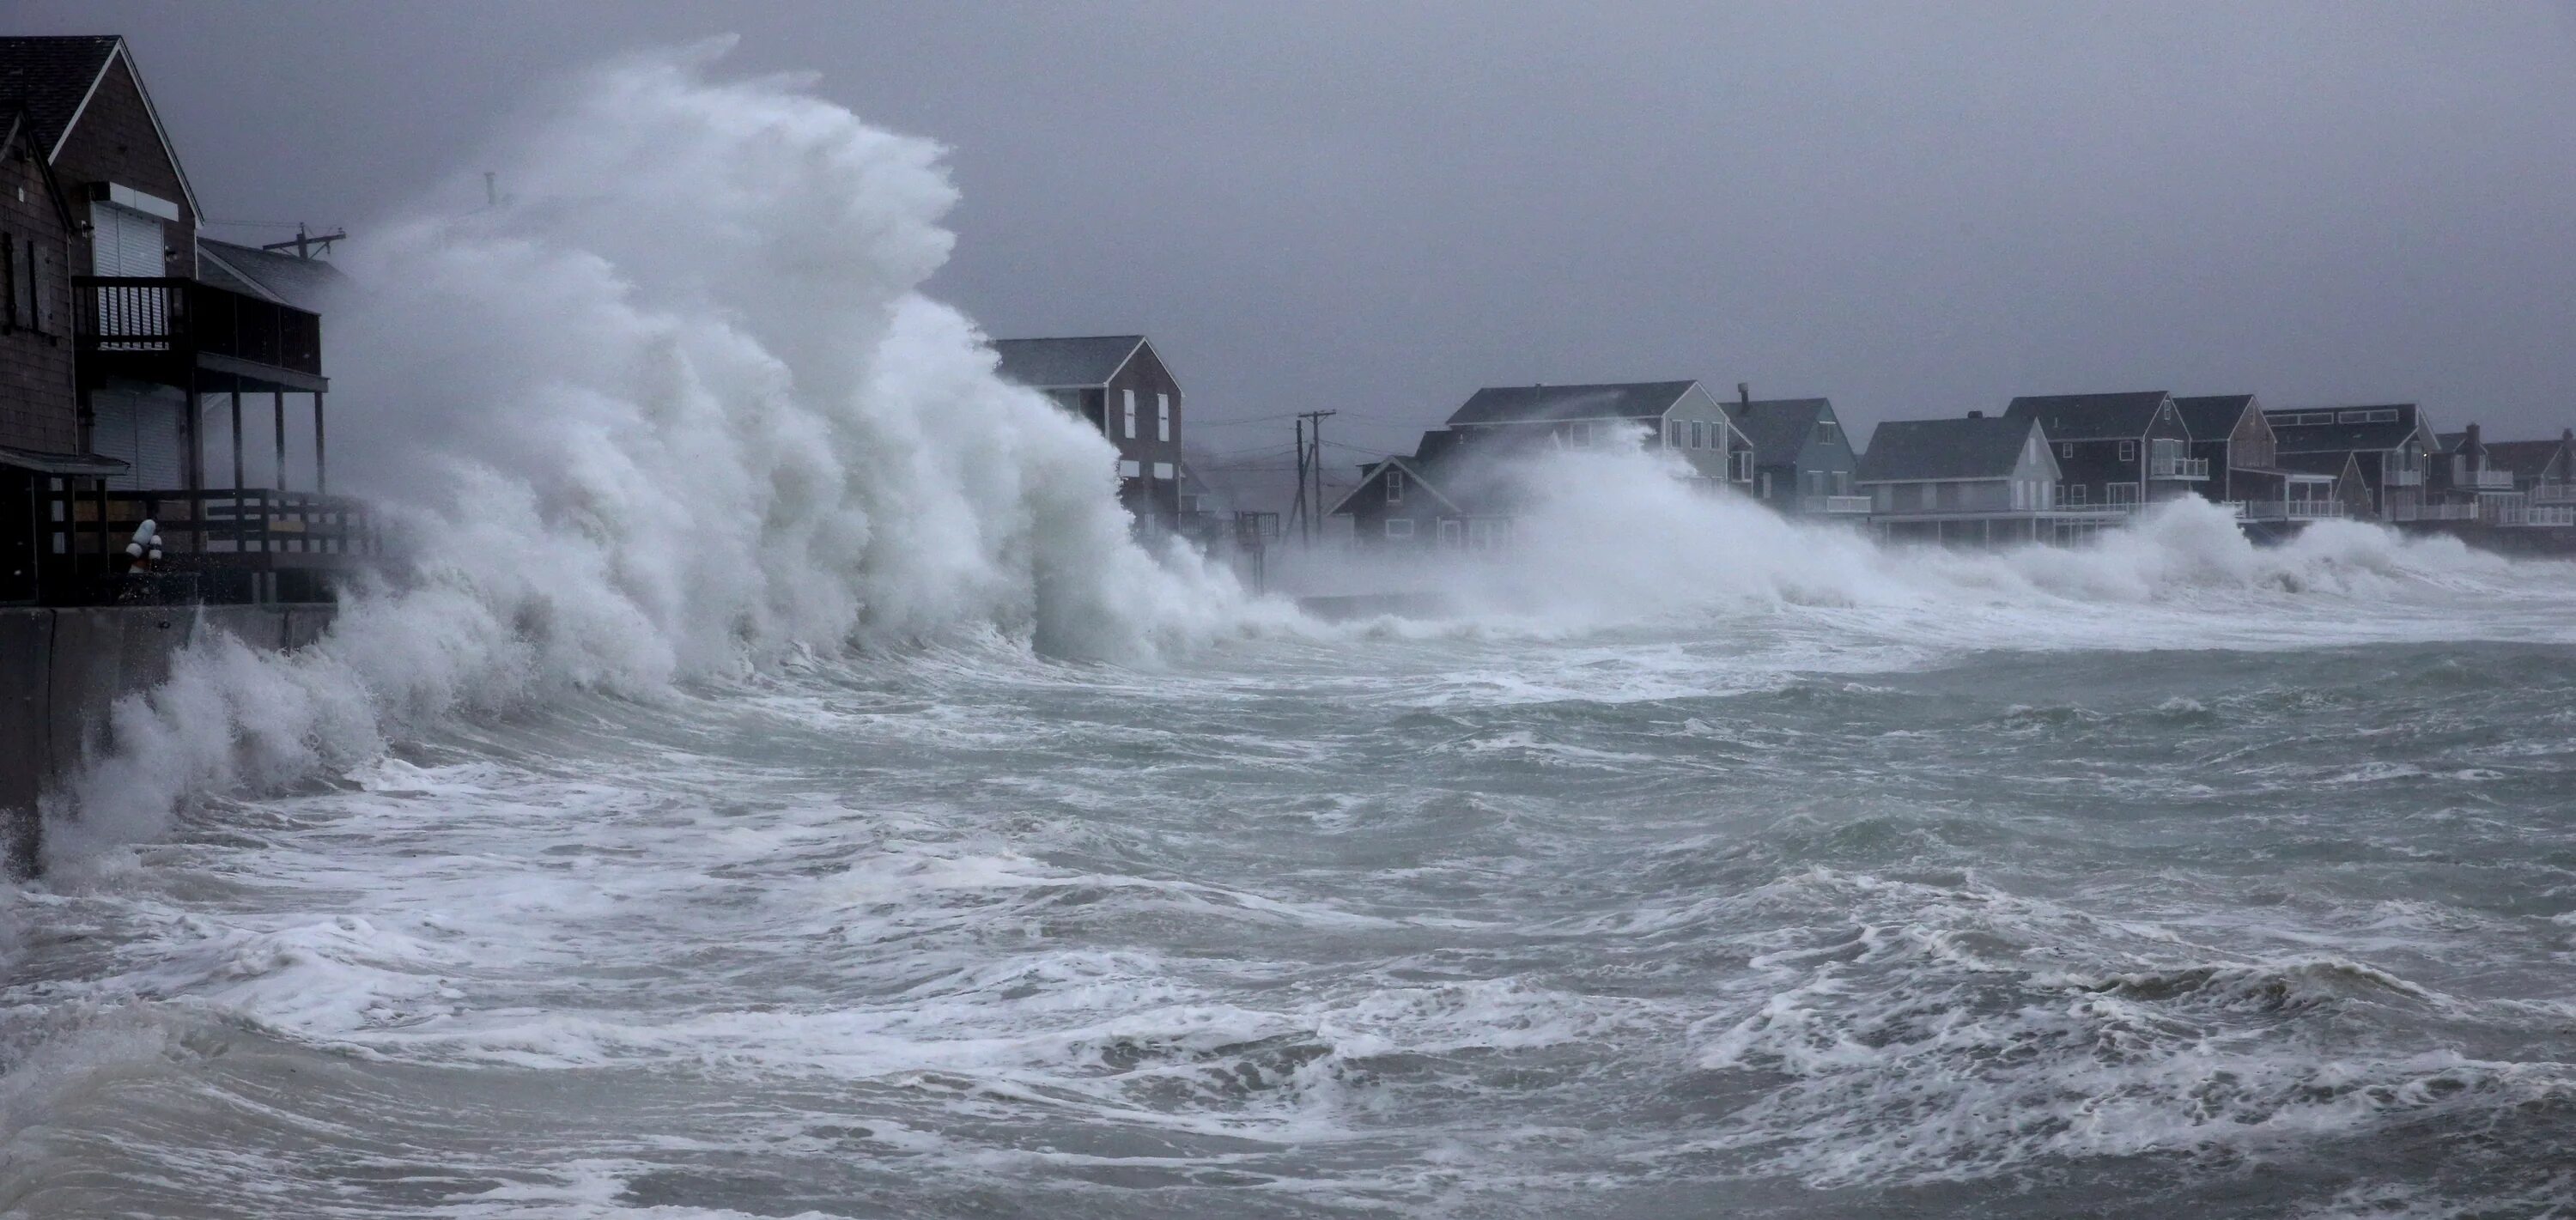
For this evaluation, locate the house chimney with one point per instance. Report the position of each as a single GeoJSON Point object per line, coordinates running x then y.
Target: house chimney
{"type": "Point", "coordinates": [2567, 437]}
{"type": "Point", "coordinates": [1976, 415]}
{"type": "Point", "coordinates": [2469, 438]}
{"type": "Point", "coordinates": [1744, 393]}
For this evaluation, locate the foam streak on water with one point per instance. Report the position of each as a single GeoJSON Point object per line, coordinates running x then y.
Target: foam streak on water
{"type": "Point", "coordinates": [879, 833]}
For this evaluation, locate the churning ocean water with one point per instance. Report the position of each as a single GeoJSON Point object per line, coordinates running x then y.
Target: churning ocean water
{"type": "Point", "coordinates": [774, 785]}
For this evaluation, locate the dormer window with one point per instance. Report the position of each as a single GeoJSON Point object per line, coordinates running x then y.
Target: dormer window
{"type": "Point", "coordinates": [1395, 486]}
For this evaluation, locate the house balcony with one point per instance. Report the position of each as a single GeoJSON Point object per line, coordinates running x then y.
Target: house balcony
{"type": "Point", "coordinates": [2178, 468]}
{"type": "Point", "coordinates": [2553, 493]}
{"type": "Point", "coordinates": [1832, 505]}
{"type": "Point", "coordinates": [2561, 516]}
{"type": "Point", "coordinates": [2434, 512]}
{"type": "Point", "coordinates": [2405, 478]}
{"type": "Point", "coordinates": [2488, 480]}
{"type": "Point", "coordinates": [186, 333]}
{"type": "Point", "coordinates": [2289, 510]}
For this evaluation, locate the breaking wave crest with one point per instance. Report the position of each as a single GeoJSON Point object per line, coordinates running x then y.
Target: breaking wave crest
{"type": "Point", "coordinates": [681, 412]}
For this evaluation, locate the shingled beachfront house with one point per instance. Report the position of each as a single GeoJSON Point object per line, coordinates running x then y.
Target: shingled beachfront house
{"type": "Point", "coordinates": [1118, 384]}
{"type": "Point", "coordinates": [2229, 433]}
{"type": "Point", "coordinates": [2115, 450]}
{"type": "Point", "coordinates": [1446, 494]}
{"type": "Point", "coordinates": [138, 371]}
{"type": "Point", "coordinates": [1803, 463]}
{"type": "Point", "coordinates": [1981, 480]}
{"type": "Point", "coordinates": [2388, 447]}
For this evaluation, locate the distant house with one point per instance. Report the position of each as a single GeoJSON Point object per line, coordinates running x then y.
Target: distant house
{"type": "Point", "coordinates": [1450, 493]}
{"type": "Point", "coordinates": [1975, 480]}
{"type": "Point", "coordinates": [2327, 484]}
{"type": "Point", "coordinates": [2545, 473]}
{"type": "Point", "coordinates": [2389, 444]}
{"type": "Point", "coordinates": [1803, 463]}
{"type": "Point", "coordinates": [2115, 450]}
{"type": "Point", "coordinates": [2229, 432]}
{"type": "Point", "coordinates": [1117, 384]}
{"type": "Point", "coordinates": [152, 343]}
{"type": "Point", "coordinates": [1679, 416]}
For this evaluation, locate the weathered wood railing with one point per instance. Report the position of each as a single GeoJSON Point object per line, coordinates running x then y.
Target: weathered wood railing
{"type": "Point", "coordinates": [138, 314]}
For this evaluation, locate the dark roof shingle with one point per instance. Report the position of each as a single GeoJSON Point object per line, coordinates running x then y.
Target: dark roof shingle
{"type": "Point", "coordinates": [2212, 417]}
{"type": "Point", "coordinates": [1051, 364]}
{"type": "Point", "coordinates": [48, 76]}
{"type": "Point", "coordinates": [1778, 427]}
{"type": "Point", "coordinates": [305, 283]}
{"type": "Point", "coordinates": [1984, 447]}
{"type": "Point", "coordinates": [2076, 417]}
{"type": "Point", "coordinates": [1538, 403]}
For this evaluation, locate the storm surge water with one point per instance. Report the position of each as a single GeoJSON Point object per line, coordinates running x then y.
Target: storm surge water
{"type": "Point", "coordinates": [776, 786]}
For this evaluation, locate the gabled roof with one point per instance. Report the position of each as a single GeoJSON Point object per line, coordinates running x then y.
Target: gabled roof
{"type": "Point", "coordinates": [1980, 447]}
{"type": "Point", "coordinates": [2528, 460]}
{"type": "Point", "coordinates": [2076, 417]}
{"type": "Point", "coordinates": [15, 126]}
{"type": "Point", "coordinates": [2317, 438]}
{"type": "Point", "coordinates": [305, 283]}
{"type": "Point", "coordinates": [2213, 417]}
{"type": "Point", "coordinates": [1778, 427]}
{"type": "Point", "coordinates": [52, 78]}
{"type": "Point", "coordinates": [1061, 364]}
{"type": "Point", "coordinates": [1542, 403]}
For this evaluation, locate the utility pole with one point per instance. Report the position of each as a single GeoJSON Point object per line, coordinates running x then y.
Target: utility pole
{"type": "Point", "coordinates": [306, 245]}
{"type": "Point", "coordinates": [1310, 466]}
{"type": "Point", "coordinates": [1297, 510]}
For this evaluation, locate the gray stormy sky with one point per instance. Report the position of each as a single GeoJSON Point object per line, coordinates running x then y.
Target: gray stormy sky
{"type": "Point", "coordinates": [1913, 209]}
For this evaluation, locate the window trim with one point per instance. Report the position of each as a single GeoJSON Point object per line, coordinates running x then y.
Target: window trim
{"type": "Point", "coordinates": [1405, 533]}
{"type": "Point", "coordinates": [1162, 417]}
{"type": "Point", "coordinates": [1395, 485]}
{"type": "Point", "coordinates": [2128, 451]}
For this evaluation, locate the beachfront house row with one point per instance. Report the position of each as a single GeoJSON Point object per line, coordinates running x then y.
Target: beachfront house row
{"type": "Point", "coordinates": [1803, 463]}
{"type": "Point", "coordinates": [2115, 450]}
{"type": "Point", "coordinates": [128, 366]}
{"type": "Point", "coordinates": [1119, 385]}
{"type": "Point", "coordinates": [1679, 416]}
{"type": "Point", "coordinates": [2545, 473]}
{"type": "Point", "coordinates": [2229, 433]}
{"type": "Point", "coordinates": [1976, 480]}
{"type": "Point", "coordinates": [2390, 445]}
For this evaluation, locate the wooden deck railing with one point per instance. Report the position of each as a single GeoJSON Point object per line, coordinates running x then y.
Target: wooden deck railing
{"type": "Point", "coordinates": [254, 528]}
{"type": "Point", "coordinates": [148, 315]}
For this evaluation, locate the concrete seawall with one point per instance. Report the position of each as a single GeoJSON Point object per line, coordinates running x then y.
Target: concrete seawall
{"type": "Point", "coordinates": [62, 669]}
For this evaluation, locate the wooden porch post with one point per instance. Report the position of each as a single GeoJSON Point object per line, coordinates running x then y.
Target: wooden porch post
{"type": "Point", "coordinates": [321, 471]}
{"type": "Point", "coordinates": [240, 543]}
{"type": "Point", "coordinates": [277, 399]}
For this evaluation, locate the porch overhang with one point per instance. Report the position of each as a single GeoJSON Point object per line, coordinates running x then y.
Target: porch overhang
{"type": "Point", "coordinates": [87, 465]}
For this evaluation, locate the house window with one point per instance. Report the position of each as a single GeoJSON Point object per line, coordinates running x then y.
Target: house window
{"type": "Point", "coordinates": [2123, 493]}
{"type": "Point", "coordinates": [2066, 450]}
{"type": "Point", "coordinates": [1677, 434]}
{"type": "Point", "coordinates": [1579, 435]}
{"type": "Point", "coordinates": [1698, 435]}
{"type": "Point", "coordinates": [1395, 487]}
{"type": "Point", "coordinates": [1824, 432]}
{"type": "Point", "coordinates": [1743, 464]}
{"type": "Point", "coordinates": [1765, 482]}
{"type": "Point", "coordinates": [1165, 472]}
{"type": "Point", "coordinates": [1842, 482]}
{"type": "Point", "coordinates": [1162, 417]}
{"type": "Point", "coordinates": [1451, 530]}
{"type": "Point", "coordinates": [1131, 413]}
{"type": "Point", "coordinates": [1399, 527]}
{"type": "Point", "coordinates": [2070, 493]}
{"type": "Point", "coordinates": [2128, 451]}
